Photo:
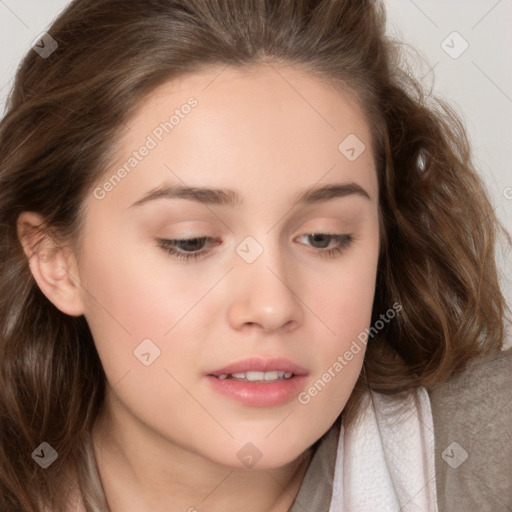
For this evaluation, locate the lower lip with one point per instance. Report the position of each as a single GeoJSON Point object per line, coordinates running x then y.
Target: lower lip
{"type": "Point", "coordinates": [259, 394]}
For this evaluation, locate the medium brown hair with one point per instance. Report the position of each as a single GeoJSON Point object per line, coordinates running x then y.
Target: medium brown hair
{"type": "Point", "coordinates": [438, 228]}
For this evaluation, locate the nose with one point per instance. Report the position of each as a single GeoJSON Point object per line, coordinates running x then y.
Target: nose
{"type": "Point", "coordinates": [266, 296]}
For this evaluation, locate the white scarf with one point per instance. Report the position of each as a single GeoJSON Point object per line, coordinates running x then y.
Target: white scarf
{"type": "Point", "coordinates": [385, 458]}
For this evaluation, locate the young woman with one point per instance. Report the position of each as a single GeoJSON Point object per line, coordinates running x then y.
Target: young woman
{"type": "Point", "coordinates": [246, 265]}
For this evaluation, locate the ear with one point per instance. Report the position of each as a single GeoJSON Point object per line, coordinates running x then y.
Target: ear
{"type": "Point", "coordinates": [53, 266]}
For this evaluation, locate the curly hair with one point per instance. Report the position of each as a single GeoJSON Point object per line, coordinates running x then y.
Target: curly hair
{"type": "Point", "coordinates": [65, 112]}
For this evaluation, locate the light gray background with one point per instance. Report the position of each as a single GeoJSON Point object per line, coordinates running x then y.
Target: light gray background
{"type": "Point", "coordinates": [478, 82]}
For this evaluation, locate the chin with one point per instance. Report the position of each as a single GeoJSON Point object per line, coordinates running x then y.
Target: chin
{"type": "Point", "coordinates": [262, 454]}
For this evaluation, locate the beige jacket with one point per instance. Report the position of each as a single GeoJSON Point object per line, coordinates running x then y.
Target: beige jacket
{"type": "Point", "coordinates": [474, 410]}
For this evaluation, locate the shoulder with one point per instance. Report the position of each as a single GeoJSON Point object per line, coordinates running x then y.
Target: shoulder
{"type": "Point", "coordinates": [472, 415]}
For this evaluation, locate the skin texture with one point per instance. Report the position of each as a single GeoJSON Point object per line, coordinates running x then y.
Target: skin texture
{"type": "Point", "coordinates": [167, 440]}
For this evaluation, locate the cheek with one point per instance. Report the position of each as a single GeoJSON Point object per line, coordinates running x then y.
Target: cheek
{"type": "Point", "coordinates": [345, 300]}
{"type": "Point", "coordinates": [130, 298]}
{"type": "Point", "coordinates": [344, 305]}
{"type": "Point", "coordinates": [134, 284]}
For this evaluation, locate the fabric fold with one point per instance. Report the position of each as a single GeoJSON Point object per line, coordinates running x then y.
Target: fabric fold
{"type": "Point", "coordinates": [385, 458]}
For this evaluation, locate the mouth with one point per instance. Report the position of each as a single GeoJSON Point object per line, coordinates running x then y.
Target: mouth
{"type": "Point", "coordinates": [259, 382]}
{"type": "Point", "coordinates": [260, 369]}
{"type": "Point", "coordinates": [256, 376]}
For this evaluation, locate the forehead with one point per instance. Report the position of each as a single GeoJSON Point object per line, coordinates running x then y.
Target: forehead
{"type": "Point", "coordinates": [258, 129]}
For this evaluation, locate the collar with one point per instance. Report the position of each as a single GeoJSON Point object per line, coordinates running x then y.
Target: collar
{"type": "Point", "coordinates": [315, 493]}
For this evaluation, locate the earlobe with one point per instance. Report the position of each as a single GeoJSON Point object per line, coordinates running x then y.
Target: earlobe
{"type": "Point", "coordinates": [53, 266]}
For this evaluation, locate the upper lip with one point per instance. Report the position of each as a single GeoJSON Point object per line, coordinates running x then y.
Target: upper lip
{"type": "Point", "coordinates": [260, 364]}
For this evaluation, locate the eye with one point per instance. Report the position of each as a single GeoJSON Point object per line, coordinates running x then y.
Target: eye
{"type": "Point", "coordinates": [194, 248]}
{"type": "Point", "coordinates": [342, 242]}
{"type": "Point", "coordinates": [191, 247]}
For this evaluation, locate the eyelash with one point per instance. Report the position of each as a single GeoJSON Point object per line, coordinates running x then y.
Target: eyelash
{"type": "Point", "coordinates": [344, 242]}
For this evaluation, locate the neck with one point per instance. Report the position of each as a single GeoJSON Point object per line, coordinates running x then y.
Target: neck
{"type": "Point", "coordinates": [142, 471]}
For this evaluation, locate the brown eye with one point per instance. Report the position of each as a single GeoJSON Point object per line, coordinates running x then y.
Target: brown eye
{"type": "Point", "coordinates": [186, 248]}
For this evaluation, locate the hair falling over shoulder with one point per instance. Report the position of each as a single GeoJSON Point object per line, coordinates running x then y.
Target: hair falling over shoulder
{"type": "Point", "coordinates": [438, 227]}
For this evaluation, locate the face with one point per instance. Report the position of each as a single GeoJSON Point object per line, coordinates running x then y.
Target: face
{"type": "Point", "coordinates": [261, 278]}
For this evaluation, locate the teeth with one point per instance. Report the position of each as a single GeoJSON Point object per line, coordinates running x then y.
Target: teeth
{"type": "Point", "coordinates": [258, 376]}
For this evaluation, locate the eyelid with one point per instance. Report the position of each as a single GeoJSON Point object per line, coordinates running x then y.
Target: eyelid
{"type": "Point", "coordinates": [168, 246]}
{"type": "Point", "coordinates": [345, 241]}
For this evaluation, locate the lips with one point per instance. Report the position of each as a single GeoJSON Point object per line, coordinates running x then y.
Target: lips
{"type": "Point", "coordinates": [259, 382]}
{"type": "Point", "coordinates": [259, 364]}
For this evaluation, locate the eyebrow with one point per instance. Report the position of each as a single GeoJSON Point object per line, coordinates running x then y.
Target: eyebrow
{"type": "Point", "coordinates": [228, 197]}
